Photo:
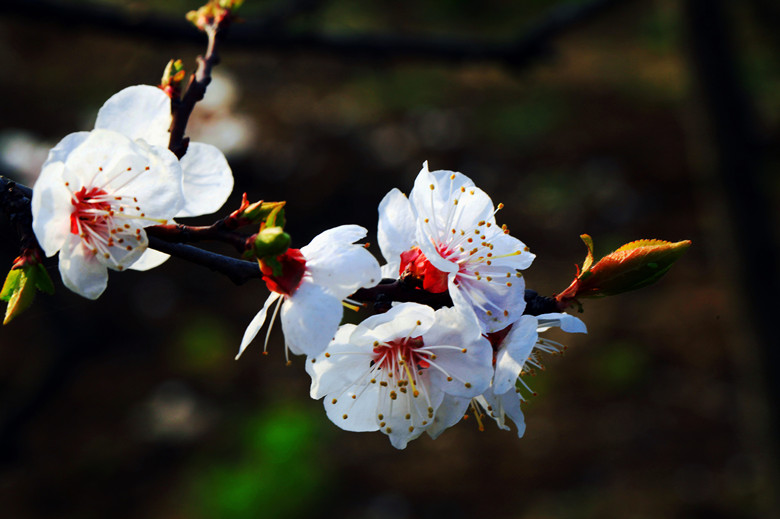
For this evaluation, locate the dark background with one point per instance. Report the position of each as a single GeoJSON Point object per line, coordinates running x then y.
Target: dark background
{"type": "Point", "coordinates": [645, 119]}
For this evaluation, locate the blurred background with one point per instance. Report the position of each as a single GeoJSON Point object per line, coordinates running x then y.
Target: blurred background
{"type": "Point", "coordinates": [621, 119]}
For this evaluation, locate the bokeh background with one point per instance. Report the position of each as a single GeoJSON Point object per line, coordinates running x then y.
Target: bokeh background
{"type": "Point", "coordinates": [645, 119]}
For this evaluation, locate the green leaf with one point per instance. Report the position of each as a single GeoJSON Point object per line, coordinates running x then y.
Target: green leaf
{"type": "Point", "coordinates": [22, 294]}
{"type": "Point", "coordinates": [43, 281]}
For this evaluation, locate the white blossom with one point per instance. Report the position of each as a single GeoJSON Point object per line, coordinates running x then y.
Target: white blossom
{"type": "Point", "coordinates": [445, 235]}
{"type": "Point", "coordinates": [311, 290]}
{"type": "Point", "coordinates": [95, 194]}
{"type": "Point", "coordinates": [392, 371]}
{"type": "Point", "coordinates": [143, 113]}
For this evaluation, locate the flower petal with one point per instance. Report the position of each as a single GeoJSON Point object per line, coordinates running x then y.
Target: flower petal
{"type": "Point", "coordinates": [354, 414]}
{"type": "Point", "coordinates": [463, 356]}
{"type": "Point", "coordinates": [150, 259]}
{"type": "Point", "coordinates": [567, 323]}
{"type": "Point", "coordinates": [207, 180]}
{"type": "Point", "coordinates": [513, 354]}
{"type": "Point", "coordinates": [139, 112]}
{"type": "Point", "coordinates": [80, 270]}
{"type": "Point", "coordinates": [450, 412]}
{"type": "Point", "coordinates": [111, 161]}
{"type": "Point", "coordinates": [256, 324]}
{"type": "Point", "coordinates": [310, 318]}
{"type": "Point", "coordinates": [336, 264]}
{"type": "Point", "coordinates": [51, 208]}
{"type": "Point", "coordinates": [396, 229]}
{"type": "Point", "coordinates": [401, 321]}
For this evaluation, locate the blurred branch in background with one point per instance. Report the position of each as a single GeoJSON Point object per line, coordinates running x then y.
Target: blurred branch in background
{"type": "Point", "coordinates": [269, 34]}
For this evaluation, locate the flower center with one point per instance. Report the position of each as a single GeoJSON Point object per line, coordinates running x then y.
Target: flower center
{"type": "Point", "coordinates": [291, 265]}
{"type": "Point", "coordinates": [401, 357]}
{"type": "Point", "coordinates": [416, 266]}
{"type": "Point", "coordinates": [90, 209]}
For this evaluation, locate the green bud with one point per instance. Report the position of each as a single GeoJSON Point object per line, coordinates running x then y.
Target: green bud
{"type": "Point", "coordinates": [271, 242]}
{"type": "Point", "coordinates": [20, 285]}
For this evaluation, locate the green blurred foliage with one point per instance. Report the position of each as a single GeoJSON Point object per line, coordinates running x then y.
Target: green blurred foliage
{"type": "Point", "coordinates": [278, 472]}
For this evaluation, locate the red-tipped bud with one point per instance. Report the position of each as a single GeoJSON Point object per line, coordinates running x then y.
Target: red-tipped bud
{"type": "Point", "coordinates": [634, 265]}
{"type": "Point", "coordinates": [214, 13]}
{"type": "Point", "coordinates": [172, 78]}
{"type": "Point", "coordinates": [266, 214]}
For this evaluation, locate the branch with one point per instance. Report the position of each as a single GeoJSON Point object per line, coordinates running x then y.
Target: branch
{"type": "Point", "coordinates": [524, 50]}
{"type": "Point", "coordinates": [237, 270]}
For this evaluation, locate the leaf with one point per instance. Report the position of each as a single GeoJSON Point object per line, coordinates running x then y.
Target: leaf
{"type": "Point", "coordinates": [21, 295]}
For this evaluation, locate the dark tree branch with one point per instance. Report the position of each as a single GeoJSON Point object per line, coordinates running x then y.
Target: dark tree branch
{"type": "Point", "coordinates": [181, 108]}
{"type": "Point", "coordinates": [238, 271]}
{"type": "Point", "coordinates": [15, 203]}
{"type": "Point", "coordinates": [531, 45]}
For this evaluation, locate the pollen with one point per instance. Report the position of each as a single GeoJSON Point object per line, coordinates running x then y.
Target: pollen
{"type": "Point", "coordinates": [334, 401]}
{"type": "Point", "coordinates": [327, 355]}
{"type": "Point", "coordinates": [432, 187]}
{"type": "Point", "coordinates": [464, 350]}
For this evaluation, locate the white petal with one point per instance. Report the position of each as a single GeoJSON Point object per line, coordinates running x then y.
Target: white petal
{"type": "Point", "coordinates": [505, 249]}
{"type": "Point", "coordinates": [344, 270]}
{"type": "Point", "coordinates": [513, 354]}
{"type": "Point", "coordinates": [51, 208]}
{"type": "Point", "coordinates": [207, 180]}
{"type": "Point", "coordinates": [118, 165]}
{"type": "Point", "coordinates": [493, 296]}
{"type": "Point", "coordinates": [505, 405]}
{"type": "Point", "coordinates": [63, 148]}
{"type": "Point", "coordinates": [358, 414]}
{"type": "Point", "coordinates": [450, 412]}
{"type": "Point", "coordinates": [256, 324]}
{"type": "Point", "coordinates": [567, 323]}
{"type": "Point", "coordinates": [310, 318]}
{"type": "Point", "coordinates": [341, 365]}
{"type": "Point", "coordinates": [80, 270]}
{"type": "Point", "coordinates": [401, 321]}
{"type": "Point", "coordinates": [150, 259]}
{"type": "Point", "coordinates": [336, 237]}
{"type": "Point", "coordinates": [139, 112]}
{"type": "Point", "coordinates": [462, 353]}
{"type": "Point", "coordinates": [397, 227]}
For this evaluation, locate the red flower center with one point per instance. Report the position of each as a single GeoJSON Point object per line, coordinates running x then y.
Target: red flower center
{"type": "Point", "coordinates": [415, 265]}
{"type": "Point", "coordinates": [87, 211]}
{"type": "Point", "coordinates": [388, 354]}
{"type": "Point", "coordinates": [292, 265]}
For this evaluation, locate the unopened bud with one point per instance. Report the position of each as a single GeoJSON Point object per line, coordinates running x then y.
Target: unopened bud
{"type": "Point", "coordinates": [214, 13]}
{"type": "Point", "coordinates": [270, 242]}
{"type": "Point", "coordinates": [172, 78]}
{"type": "Point", "coordinates": [632, 266]}
{"type": "Point", "coordinates": [267, 214]}
{"type": "Point", "coordinates": [27, 275]}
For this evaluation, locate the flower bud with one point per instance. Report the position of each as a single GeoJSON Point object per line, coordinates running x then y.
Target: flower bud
{"type": "Point", "coordinates": [172, 78]}
{"type": "Point", "coordinates": [270, 242]}
{"type": "Point", "coordinates": [27, 275]}
{"type": "Point", "coordinates": [267, 214]}
{"type": "Point", "coordinates": [634, 265]}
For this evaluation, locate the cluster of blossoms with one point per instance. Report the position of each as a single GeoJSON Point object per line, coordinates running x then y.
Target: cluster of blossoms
{"type": "Point", "coordinates": [414, 369]}
{"type": "Point", "coordinates": [408, 370]}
